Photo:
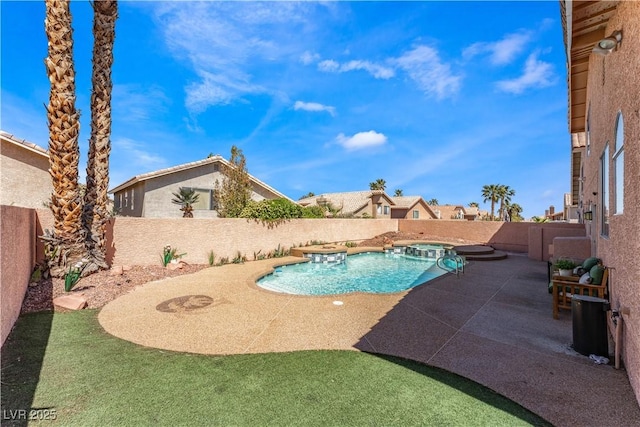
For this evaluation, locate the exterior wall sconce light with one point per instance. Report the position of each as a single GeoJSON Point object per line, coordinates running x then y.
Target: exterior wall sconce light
{"type": "Point", "coordinates": [588, 216]}
{"type": "Point", "coordinates": [608, 44]}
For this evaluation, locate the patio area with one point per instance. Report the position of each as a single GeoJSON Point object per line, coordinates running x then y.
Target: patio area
{"type": "Point", "coordinates": [493, 325]}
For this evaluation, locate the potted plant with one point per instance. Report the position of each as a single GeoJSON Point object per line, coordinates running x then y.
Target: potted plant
{"type": "Point", "coordinates": [565, 266]}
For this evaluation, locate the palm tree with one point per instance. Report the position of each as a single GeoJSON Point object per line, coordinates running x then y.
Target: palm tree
{"type": "Point", "coordinates": [309, 194]}
{"type": "Point", "coordinates": [96, 214]}
{"type": "Point", "coordinates": [514, 210]}
{"type": "Point", "coordinates": [398, 193]}
{"type": "Point", "coordinates": [65, 246]}
{"type": "Point", "coordinates": [433, 202]}
{"type": "Point", "coordinates": [491, 193]}
{"type": "Point", "coordinates": [505, 193]}
{"type": "Point", "coordinates": [186, 198]}
{"type": "Point", "coordinates": [474, 205]}
{"type": "Point", "coordinates": [378, 184]}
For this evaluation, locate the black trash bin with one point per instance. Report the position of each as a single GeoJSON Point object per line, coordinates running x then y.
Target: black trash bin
{"type": "Point", "coordinates": [590, 325]}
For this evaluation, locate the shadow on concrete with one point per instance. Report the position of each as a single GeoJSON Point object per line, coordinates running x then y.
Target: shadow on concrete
{"type": "Point", "coordinates": [494, 325]}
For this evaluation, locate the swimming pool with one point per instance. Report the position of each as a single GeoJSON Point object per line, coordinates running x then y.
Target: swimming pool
{"type": "Point", "coordinates": [370, 272]}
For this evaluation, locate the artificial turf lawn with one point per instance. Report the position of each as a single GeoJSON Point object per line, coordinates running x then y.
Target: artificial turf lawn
{"type": "Point", "coordinates": [67, 363]}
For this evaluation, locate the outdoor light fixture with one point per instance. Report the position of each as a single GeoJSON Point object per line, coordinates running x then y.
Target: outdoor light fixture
{"type": "Point", "coordinates": [588, 216]}
{"type": "Point", "coordinates": [608, 44]}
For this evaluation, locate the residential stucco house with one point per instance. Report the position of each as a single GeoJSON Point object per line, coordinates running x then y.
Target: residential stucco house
{"type": "Point", "coordinates": [411, 207]}
{"type": "Point", "coordinates": [359, 204]}
{"type": "Point", "coordinates": [602, 41]}
{"type": "Point", "coordinates": [456, 212]}
{"type": "Point", "coordinates": [149, 195]}
{"type": "Point", "coordinates": [24, 173]}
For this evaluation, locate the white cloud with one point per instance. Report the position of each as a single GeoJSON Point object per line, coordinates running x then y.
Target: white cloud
{"type": "Point", "coordinates": [314, 106]}
{"type": "Point", "coordinates": [137, 156]}
{"type": "Point", "coordinates": [227, 44]}
{"type": "Point", "coordinates": [361, 140]}
{"type": "Point", "coordinates": [536, 74]}
{"type": "Point", "coordinates": [135, 103]}
{"type": "Point", "coordinates": [501, 52]}
{"type": "Point", "coordinates": [308, 58]}
{"type": "Point", "coordinates": [432, 76]}
{"type": "Point", "coordinates": [376, 70]}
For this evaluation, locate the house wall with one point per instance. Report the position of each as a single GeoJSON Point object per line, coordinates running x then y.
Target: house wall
{"type": "Point", "coordinates": [24, 177]}
{"type": "Point", "coordinates": [17, 240]}
{"type": "Point", "coordinates": [408, 213]}
{"type": "Point", "coordinates": [613, 86]}
{"type": "Point", "coordinates": [152, 197]}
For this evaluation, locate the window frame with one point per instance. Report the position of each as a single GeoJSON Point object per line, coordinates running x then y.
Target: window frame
{"type": "Point", "coordinates": [618, 166]}
{"type": "Point", "coordinates": [604, 191]}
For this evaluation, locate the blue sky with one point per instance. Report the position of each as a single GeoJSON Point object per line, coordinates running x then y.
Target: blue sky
{"type": "Point", "coordinates": [436, 98]}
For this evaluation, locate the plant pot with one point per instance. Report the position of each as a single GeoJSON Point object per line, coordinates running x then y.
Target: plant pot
{"type": "Point", "coordinates": [565, 272]}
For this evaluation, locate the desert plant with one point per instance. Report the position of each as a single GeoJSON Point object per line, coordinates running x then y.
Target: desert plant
{"type": "Point", "coordinates": [565, 264]}
{"type": "Point", "coordinates": [169, 254]}
{"type": "Point", "coordinates": [239, 258]}
{"type": "Point", "coordinates": [186, 198]}
{"type": "Point", "coordinates": [350, 244]}
{"type": "Point", "coordinates": [212, 258]}
{"type": "Point", "coordinates": [72, 277]}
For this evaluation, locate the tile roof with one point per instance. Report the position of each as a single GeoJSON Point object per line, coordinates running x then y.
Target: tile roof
{"type": "Point", "coordinates": [24, 143]}
{"type": "Point", "coordinates": [185, 166]}
{"type": "Point", "coordinates": [405, 201]}
{"type": "Point", "coordinates": [350, 201]}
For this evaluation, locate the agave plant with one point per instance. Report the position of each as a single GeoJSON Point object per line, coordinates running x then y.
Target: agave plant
{"type": "Point", "coordinates": [186, 198]}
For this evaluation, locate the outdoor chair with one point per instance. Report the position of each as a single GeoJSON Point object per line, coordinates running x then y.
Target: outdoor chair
{"type": "Point", "coordinates": [564, 287]}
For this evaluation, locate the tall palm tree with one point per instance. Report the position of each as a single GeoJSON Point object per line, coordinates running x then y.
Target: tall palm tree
{"type": "Point", "coordinates": [474, 205]}
{"type": "Point", "coordinates": [65, 245]}
{"type": "Point", "coordinates": [96, 213]}
{"type": "Point", "coordinates": [505, 193]}
{"type": "Point", "coordinates": [490, 193]}
{"type": "Point", "coordinates": [398, 193]}
{"type": "Point", "coordinates": [433, 202]}
{"type": "Point", "coordinates": [378, 184]}
{"type": "Point", "coordinates": [513, 211]}
{"type": "Point", "coordinates": [186, 198]}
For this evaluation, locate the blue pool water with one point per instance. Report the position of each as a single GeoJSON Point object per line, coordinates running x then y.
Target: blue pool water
{"type": "Point", "coordinates": [368, 272]}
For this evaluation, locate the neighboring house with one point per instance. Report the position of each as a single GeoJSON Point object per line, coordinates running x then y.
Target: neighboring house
{"type": "Point", "coordinates": [552, 215]}
{"type": "Point", "coordinates": [456, 212]}
{"type": "Point", "coordinates": [149, 195]}
{"type": "Point", "coordinates": [411, 207]}
{"type": "Point", "coordinates": [360, 204]}
{"type": "Point", "coordinates": [602, 41]}
{"type": "Point", "coordinates": [24, 173]}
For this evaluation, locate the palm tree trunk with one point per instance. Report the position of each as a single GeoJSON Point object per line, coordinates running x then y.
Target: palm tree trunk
{"type": "Point", "coordinates": [96, 214]}
{"type": "Point", "coordinates": [66, 243]}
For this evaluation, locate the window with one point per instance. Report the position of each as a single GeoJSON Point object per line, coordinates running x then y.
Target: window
{"type": "Point", "coordinates": [604, 190]}
{"type": "Point", "coordinates": [416, 214]}
{"type": "Point", "coordinates": [126, 198]}
{"type": "Point", "coordinates": [618, 166]}
{"type": "Point", "coordinates": [205, 199]}
{"type": "Point", "coordinates": [386, 210]}
{"type": "Point", "coordinates": [379, 210]}
{"type": "Point", "coordinates": [132, 192]}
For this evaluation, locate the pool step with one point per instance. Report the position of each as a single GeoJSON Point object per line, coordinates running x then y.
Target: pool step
{"type": "Point", "coordinates": [479, 253]}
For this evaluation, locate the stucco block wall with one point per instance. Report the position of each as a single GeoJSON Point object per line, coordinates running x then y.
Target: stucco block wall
{"type": "Point", "coordinates": [139, 241]}
{"type": "Point", "coordinates": [614, 85]}
{"type": "Point", "coordinates": [542, 235]}
{"type": "Point", "coordinates": [24, 177]}
{"type": "Point", "coordinates": [575, 248]}
{"type": "Point", "coordinates": [509, 236]}
{"type": "Point", "coordinates": [17, 244]}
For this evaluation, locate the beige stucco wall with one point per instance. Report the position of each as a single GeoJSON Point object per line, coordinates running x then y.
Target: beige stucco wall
{"type": "Point", "coordinates": [18, 255]}
{"type": "Point", "coordinates": [24, 177]}
{"type": "Point", "coordinates": [139, 241]}
{"type": "Point", "coordinates": [614, 86]}
{"type": "Point", "coordinates": [541, 236]}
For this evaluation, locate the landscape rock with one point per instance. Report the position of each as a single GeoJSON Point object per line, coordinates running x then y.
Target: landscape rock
{"type": "Point", "coordinates": [70, 302]}
{"type": "Point", "coordinates": [116, 271]}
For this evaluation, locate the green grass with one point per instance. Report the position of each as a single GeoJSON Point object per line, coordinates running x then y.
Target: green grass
{"type": "Point", "coordinates": [67, 363]}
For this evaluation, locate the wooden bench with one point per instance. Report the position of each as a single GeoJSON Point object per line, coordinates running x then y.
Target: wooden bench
{"type": "Point", "coordinates": [564, 287]}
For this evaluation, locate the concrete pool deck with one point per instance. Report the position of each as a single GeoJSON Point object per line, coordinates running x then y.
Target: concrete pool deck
{"type": "Point", "coordinates": [493, 325]}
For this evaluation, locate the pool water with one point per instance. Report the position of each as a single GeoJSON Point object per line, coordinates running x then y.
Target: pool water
{"type": "Point", "coordinates": [369, 272]}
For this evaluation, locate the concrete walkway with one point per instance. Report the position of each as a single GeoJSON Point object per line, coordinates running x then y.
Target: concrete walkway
{"type": "Point", "coordinates": [492, 325]}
